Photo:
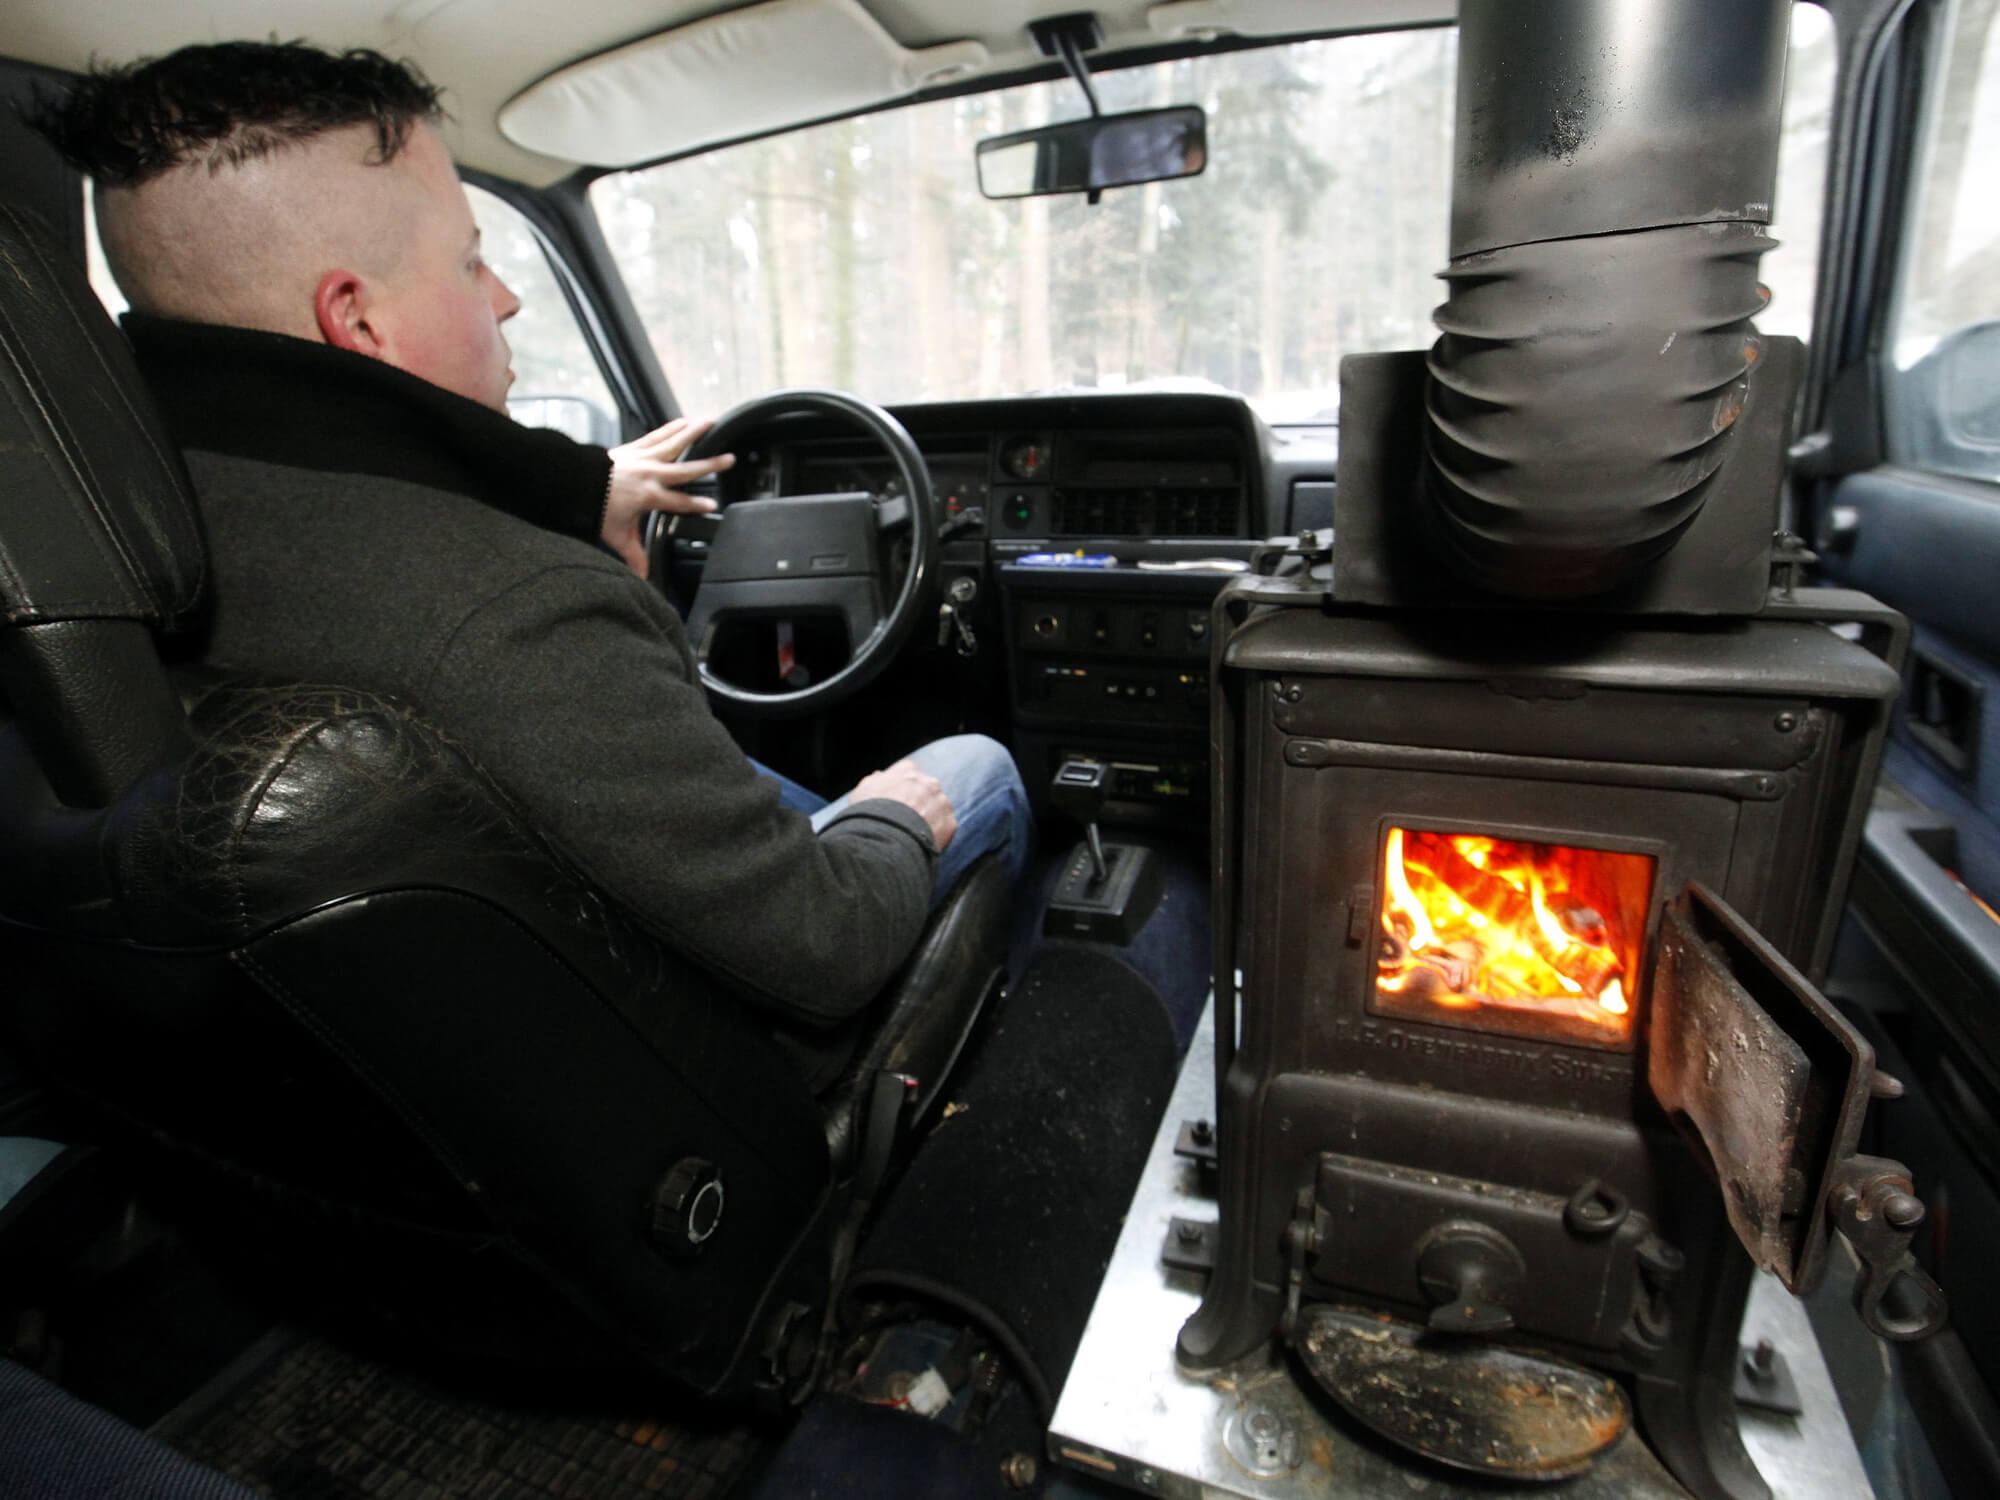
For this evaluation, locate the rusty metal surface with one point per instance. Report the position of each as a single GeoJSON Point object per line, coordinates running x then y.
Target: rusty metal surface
{"type": "Point", "coordinates": [1741, 1083]}
{"type": "Point", "coordinates": [1463, 1402]}
{"type": "Point", "coordinates": [1773, 1081]}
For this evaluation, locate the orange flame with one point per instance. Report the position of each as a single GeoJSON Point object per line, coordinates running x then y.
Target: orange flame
{"type": "Point", "coordinates": [1537, 938]}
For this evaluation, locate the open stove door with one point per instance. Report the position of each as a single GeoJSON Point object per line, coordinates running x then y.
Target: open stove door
{"type": "Point", "coordinates": [1756, 1065]}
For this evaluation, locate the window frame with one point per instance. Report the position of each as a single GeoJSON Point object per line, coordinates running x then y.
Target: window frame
{"type": "Point", "coordinates": [571, 243]}
{"type": "Point", "coordinates": [1900, 420]}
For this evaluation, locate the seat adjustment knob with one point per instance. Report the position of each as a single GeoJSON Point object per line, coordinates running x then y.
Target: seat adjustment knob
{"type": "Point", "coordinates": [687, 1206]}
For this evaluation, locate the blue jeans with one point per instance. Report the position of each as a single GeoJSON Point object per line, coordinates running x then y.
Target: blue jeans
{"type": "Point", "coordinates": [986, 794]}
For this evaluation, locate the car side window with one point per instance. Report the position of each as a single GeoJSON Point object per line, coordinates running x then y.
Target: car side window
{"type": "Point", "coordinates": [101, 280]}
{"type": "Point", "coordinates": [556, 379]}
{"type": "Point", "coordinates": [1943, 381]}
{"type": "Point", "coordinates": [1792, 270]}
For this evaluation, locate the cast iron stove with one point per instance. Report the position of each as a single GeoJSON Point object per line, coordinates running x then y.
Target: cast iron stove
{"type": "Point", "coordinates": [1538, 785]}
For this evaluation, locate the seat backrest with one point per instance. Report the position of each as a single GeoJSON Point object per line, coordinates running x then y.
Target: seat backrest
{"type": "Point", "coordinates": [101, 539]}
{"type": "Point", "coordinates": [293, 939]}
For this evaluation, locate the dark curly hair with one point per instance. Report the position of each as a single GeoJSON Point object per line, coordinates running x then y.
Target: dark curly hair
{"type": "Point", "coordinates": [227, 103]}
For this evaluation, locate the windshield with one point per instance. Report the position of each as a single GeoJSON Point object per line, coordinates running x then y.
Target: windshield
{"type": "Point", "coordinates": [860, 254]}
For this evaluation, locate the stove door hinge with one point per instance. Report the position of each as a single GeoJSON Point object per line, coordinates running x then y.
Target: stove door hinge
{"type": "Point", "coordinates": [1874, 1206]}
{"type": "Point", "coordinates": [1660, 1265]}
{"type": "Point", "coordinates": [1305, 1237]}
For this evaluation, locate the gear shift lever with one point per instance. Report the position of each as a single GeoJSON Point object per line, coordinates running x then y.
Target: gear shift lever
{"type": "Point", "coordinates": [1107, 891]}
{"type": "Point", "coordinates": [1078, 792]}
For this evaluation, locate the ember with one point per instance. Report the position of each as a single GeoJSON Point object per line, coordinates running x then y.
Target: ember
{"type": "Point", "coordinates": [1506, 935]}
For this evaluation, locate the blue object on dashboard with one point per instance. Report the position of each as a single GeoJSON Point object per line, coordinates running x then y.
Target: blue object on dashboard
{"type": "Point", "coordinates": [1067, 560]}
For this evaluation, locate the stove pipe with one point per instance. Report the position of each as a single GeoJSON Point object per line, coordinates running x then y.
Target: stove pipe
{"type": "Point", "coordinates": [1615, 160]}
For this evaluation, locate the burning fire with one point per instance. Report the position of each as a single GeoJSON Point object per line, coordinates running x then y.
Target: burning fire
{"type": "Point", "coordinates": [1545, 931]}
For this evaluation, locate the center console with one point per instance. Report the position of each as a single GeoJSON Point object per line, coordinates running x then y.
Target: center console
{"type": "Point", "coordinates": [1109, 542]}
{"type": "Point", "coordinates": [1110, 663]}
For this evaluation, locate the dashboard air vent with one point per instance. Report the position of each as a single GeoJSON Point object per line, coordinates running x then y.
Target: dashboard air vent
{"type": "Point", "coordinates": [1132, 511]}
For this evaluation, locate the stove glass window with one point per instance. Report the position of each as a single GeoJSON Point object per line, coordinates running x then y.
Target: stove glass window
{"type": "Point", "coordinates": [1510, 936]}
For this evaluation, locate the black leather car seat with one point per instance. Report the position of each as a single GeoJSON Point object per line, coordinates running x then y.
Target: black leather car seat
{"type": "Point", "coordinates": [291, 940]}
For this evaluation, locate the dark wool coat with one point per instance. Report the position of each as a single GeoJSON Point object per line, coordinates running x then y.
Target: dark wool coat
{"type": "Point", "coordinates": [565, 676]}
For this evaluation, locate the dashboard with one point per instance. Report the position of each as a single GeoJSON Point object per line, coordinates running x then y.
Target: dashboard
{"type": "Point", "coordinates": [1164, 495]}
{"type": "Point", "coordinates": [1048, 482]}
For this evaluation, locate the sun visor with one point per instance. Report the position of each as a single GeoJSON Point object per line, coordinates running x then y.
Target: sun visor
{"type": "Point", "coordinates": [1200, 20]}
{"type": "Point", "coordinates": [742, 73]}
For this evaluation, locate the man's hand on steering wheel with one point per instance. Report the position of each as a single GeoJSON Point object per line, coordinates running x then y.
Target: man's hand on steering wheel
{"type": "Point", "coordinates": [645, 476]}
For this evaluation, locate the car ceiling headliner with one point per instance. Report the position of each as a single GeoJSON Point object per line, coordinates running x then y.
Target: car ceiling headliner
{"type": "Point", "coordinates": [487, 51]}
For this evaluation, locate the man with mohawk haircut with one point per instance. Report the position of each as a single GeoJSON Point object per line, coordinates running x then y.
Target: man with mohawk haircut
{"type": "Point", "coordinates": [310, 306]}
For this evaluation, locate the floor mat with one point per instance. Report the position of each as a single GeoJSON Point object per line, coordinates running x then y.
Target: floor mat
{"type": "Point", "coordinates": [1171, 952]}
{"type": "Point", "coordinates": [1015, 1199]}
{"type": "Point", "coordinates": [315, 1421]}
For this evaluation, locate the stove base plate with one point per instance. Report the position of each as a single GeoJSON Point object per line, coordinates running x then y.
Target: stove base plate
{"type": "Point", "coordinates": [1129, 1416]}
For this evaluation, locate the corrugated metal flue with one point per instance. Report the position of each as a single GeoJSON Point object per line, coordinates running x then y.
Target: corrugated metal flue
{"type": "Point", "coordinates": [1615, 161]}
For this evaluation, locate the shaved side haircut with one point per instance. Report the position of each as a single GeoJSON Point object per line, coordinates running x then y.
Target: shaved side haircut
{"type": "Point", "coordinates": [232, 177]}
{"type": "Point", "coordinates": [226, 104]}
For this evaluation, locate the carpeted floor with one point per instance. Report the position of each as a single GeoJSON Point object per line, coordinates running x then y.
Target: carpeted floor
{"type": "Point", "coordinates": [1171, 952]}
{"type": "Point", "coordinates": [310, 1420]}
{"type": "Point", "coordinates": [1004, 1219]}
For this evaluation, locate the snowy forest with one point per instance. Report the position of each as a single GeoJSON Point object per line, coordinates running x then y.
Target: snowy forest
{"type": "Point", "coordinates": [860, 255]}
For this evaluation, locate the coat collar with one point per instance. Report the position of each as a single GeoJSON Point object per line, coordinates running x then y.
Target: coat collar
{"type": "Point", "coordinates": [285, 400]}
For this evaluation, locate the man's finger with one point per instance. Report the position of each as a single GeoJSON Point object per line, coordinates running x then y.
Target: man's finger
{"type": "Point", "coordinates": [676, 437]}
{"type": "Point", "coordinates": [685, 469]}
{"type": "Point", "coordinates": [683, 503]}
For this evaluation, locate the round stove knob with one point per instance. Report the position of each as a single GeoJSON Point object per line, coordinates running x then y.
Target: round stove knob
{"type": "Point", "coordinates": [1471, 1272]}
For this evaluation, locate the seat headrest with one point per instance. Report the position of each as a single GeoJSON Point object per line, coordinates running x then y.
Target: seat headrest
{"type": "Point", "coordinates": [100, 522]}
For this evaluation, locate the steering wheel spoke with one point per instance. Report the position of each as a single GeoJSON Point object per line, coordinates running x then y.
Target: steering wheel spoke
{"type": "Point", "coordinates": [805, 555]}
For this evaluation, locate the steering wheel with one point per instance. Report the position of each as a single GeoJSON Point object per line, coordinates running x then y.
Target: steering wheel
{"type": "Point", "coordinates": [800, 555]}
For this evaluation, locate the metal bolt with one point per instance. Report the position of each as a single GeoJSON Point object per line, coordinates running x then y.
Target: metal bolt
{"type": "Point", "coordinates": [1786, 722]}
{"type": "Point", "coordinates": [1261, 1424]}
{"type": "Point", "coordinates": [1294, 693]}
{"type": "Point", "coordinates": [1146, 1479]}
{"type": "Point", "coordinates": [1903, 1210]}
{"type": "Point", "coordinates": [1762, 1358]}
{"type": "Point", "coordinates": [1188, 1232]}
{"type": "Point", "coordinates": [1885, 1086]}
{"type": "Point", "coordinates": [1019, 1470]}
{"type": "Point", "coordinates": [1201, 1133]}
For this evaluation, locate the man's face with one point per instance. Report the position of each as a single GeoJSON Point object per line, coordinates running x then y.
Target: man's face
{"type": "Point", "coordinates": [440, 307]}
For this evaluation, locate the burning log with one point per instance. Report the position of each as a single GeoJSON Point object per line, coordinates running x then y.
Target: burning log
{"type": "Point", "coordinates": [1471, 921]}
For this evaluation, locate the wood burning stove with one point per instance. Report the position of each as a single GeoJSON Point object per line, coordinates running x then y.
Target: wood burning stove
{"type": "Point", "coordinates": [1543, 780]}
{"type": "Point", "coordinates": [1478, 847]}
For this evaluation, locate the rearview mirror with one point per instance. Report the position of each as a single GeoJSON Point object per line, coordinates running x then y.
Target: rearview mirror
{"type": "Point", "coordinates": [1094, 153]}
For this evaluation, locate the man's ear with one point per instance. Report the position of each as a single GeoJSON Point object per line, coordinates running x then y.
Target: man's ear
{"type": "Point", "coordinates": [342, 307]}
